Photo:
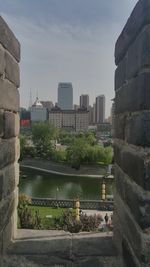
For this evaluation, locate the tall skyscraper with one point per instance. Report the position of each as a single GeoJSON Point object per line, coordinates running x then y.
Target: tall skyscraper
{"type": "Point", "coordinates": [65, 96]}
{"type": "Point", "coordinates": [84, 101]}
{"type": "Point", "coordinates": [100, 109]}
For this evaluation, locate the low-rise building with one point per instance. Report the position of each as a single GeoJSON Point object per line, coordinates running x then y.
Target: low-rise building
{"type": "Point", "coordinates": [72, 120]}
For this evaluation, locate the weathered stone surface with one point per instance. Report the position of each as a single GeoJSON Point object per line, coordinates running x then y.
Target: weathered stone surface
{"type": "Point", "coordinates": [92, 245]}
{"type": "Point", "coordinates": [121, 74]}
{"type": "Point", "coordinates": [131, 231]}
{"type": "Point", "coordinates": [8, 40]}
{"type": "Point", "coordinates": [9, 99]}
{"type": "Point", "coordinates": [133, 162]}
{"type": "Point", "coordinates": [1, 123]}
{"type": "Point", "coordinates": [134, 95]}
{"type": "Point", "coordinates": [120, 123]}
{"type": "Point", "coordinates": [139, 17]}
{"type": "Point", "coordinates": [12, 70]}
{"type": "Point", "coordinates": [7, 152]}
{"type": "Point", "coordinates": [52, 246]}
{"type": "Point", "coordinates": [130, 259]}
{"type": "Point", "coordinates": [2, 60]}
{"type": "Point", "coordinates": [138, 55]}
{"type": "Point", "coordinates": [135, 197]}
{"type": "Point", "coordinates": [6, 211]}
{"type": "Point", "coordinates": [9, 173]}
{"type": "Point", "coordinates": [1, 184]}
{"type": "Point", "coordinates": [12, 124]}
{"type": "Point", "coordinates": [137, 129]}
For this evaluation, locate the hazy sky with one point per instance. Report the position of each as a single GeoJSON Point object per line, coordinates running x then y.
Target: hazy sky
{"type": "Point", "coordinates": [67, 40]}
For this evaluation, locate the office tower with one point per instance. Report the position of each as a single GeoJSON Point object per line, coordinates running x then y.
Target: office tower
{"type": "Point", "coordinates": [65, 96]}
{"type": "Point", "coordinates": [100, 109]}
{"type": "Point", "coordinates": [84, 101]}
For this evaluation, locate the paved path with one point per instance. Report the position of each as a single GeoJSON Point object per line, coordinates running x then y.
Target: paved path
{"type": "Point", "coordinates": [62, 169]}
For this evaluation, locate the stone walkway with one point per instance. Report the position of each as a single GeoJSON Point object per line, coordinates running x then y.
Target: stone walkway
{"type": "Point", "coordinates": [62, 169]}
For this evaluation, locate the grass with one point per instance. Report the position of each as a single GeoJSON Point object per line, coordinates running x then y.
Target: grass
{"type": "Point", "coordinates": [47, 223]}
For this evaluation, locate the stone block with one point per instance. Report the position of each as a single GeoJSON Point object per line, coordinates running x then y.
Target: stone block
{"type": "Point", "coordinates": [7, 152]}
{"type": "Point", "coordinates": [42, 246]}
{"type": "Point", "coordinates": [9, 99]}
{"type": "Point", "coordinates": [139, 17]}
{"type": "Point", "coordinates": [132, 161]}
{"type": "Point", "coordinates": [8, 40]}
{"type": "Point", "coordinates": [1, 123]}
{"type": "Point", "coordinates": [93, 245]}
{"type": "Point", "coordinates": [7, 235]}
{"type": "Point", "coordinates": [137, 130]}
{"type": "Point", "coordinates": [9, 180]}
{"type": "Point", "coordinates": [12, 124]}
{"type": "Point", "coordinates": [131, 231]}
{"type": "Point", "coordinates": [2, 60]}
{"type": "Point", "coordinates": [138, 55]}
{"type": "Point", "coordinates": [12, 72]}
{"type": "Point", "coordinates": [134, 95]}
{"type": "Point", "coordinates": [6, 211]}
{"type": "Point", "coordinates": [120, 74]}
{"type": "Point", "coordinates": [119, 126]}
{"type": "Point", "coordinates": [1, 184]}
{"type": "Point", "coordinates": [135, 197]}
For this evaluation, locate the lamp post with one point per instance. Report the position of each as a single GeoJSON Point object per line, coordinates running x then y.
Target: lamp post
{"type": "Point", "coordinates": [77, 209]}
{"type": "Point", "coordinates": [57, 190]}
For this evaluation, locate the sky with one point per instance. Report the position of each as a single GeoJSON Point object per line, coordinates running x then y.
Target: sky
{"type": "Point", "coordinates": [67, 41]}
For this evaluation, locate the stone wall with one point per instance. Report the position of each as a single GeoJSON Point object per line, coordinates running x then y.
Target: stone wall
{"type": "Point", "coordinates": [9, 130]}
{"type": "Point", "coordinates": [132, 138]}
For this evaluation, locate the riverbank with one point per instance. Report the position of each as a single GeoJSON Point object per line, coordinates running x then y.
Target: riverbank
{"type": "Point", "coordinates": [62, 169]}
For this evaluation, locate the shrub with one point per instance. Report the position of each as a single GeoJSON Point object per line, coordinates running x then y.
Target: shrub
{"type": "Point", "coordinates": [26, 219]}
{"type": "Point", "coordinates": [69, 223]}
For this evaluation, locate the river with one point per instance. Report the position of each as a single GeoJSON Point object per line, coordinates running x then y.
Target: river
{"type": "Point", "coordinates": [41, 184]}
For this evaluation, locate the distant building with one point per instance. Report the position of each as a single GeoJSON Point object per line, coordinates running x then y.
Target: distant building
{"type": "Point", "coordinates": [65, 96]}
{"type": "Point", "coordinates": [25, 119]}
{"type": "Point", "coordinates": [76, 107]}
{"type": "Point", "coordinates": [100, 109]}
{"type": "Point", "coordinates": [47, 104]}
{"type": "Point", "coordinates": [84, 101]}
{"type": "Point", "coordinates": [71, 120]}
{"type": "Point", "coordinates": [38, 112]}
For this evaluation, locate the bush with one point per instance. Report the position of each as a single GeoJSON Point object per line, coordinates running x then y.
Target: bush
{"type": "Point", "coordinates": [69, 223]}
{"type": "Point", "coordinates": [26, 219]}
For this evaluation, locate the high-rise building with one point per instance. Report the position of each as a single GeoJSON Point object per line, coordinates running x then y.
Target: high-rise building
{"type": "Point", "coordinates": [84, 101]}
{"type": "Point", "coordinates": [65, 96]}
{"type": "Point", "coordinates": [100, 109]}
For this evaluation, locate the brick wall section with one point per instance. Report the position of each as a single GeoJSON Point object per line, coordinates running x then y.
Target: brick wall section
{"type": "Point", "coordinates": [132, 138]}
{"type": "Point", "coordinates": [9, 130]}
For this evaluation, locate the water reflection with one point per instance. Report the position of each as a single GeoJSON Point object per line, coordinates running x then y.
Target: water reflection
{"type": "Point", "coordinates": [41, 184]}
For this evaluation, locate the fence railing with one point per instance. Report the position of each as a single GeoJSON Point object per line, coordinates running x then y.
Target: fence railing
{"type": "Point", "coordinates": [70, 203]}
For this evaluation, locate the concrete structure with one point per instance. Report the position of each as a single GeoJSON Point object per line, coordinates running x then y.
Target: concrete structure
{"type": "Point", "coordinates": [132, 139]}
{"type": "Point", "coordinates": [84, 101]}
{"type": "Point", "coordinates": [100, 109]}
{"type": "Point", "coordinates": [72, 120]}
{"type": "Point", "coordinates": [65, 96]}
{"type": "Point", "coordinates": [38, 112]}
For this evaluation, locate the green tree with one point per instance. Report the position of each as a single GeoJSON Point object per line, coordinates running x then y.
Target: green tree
{"type": "Point", "coordinates": [76, 152]}
{"type": "Point", "coordinates": [22, 145]}
{"type": "Point", "coordinates": [44, 136]}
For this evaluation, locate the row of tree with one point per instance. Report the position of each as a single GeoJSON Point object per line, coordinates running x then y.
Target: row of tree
{"type": "Point", "coordinates": [75, 149]}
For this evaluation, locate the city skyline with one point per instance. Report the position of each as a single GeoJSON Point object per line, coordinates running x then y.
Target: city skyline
{"type": "Point", "coordinates": [67, 40]}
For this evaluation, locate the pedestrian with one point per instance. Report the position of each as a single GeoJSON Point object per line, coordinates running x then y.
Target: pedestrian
{"type": "Point", "coordinates": [106, 218]}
